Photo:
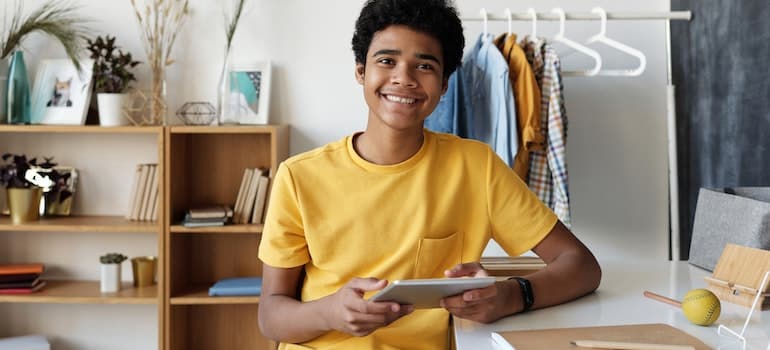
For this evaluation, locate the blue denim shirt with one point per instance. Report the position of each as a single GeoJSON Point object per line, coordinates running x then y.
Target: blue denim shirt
{"type": "Point", "coordinates": [479, 102]}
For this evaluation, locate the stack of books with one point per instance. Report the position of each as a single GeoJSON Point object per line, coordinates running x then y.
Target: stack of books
{"type": "Point", "coordinates": [144, 196]}
{"type": "Point", "coordinates": [511, 265]}
{"type": "Point", "coordinates": [252, 196]}
{"type": "Point", "coordinates": [208, 216]}
{"type": "Point", "coordinates": [237, 286]}
{"type": "Point", "coordinates": [21, 278]}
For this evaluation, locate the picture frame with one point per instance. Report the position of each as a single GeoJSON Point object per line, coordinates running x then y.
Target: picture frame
{"type": "Point", "coordinates": [61, 94]}
{"type": "Point", "coordinates": [247, 94]}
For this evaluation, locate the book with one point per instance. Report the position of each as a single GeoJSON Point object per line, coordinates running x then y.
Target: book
{"type": "Point", "coordinates": [36, 288]}
{"type": "Point", "coordinates": [19, 269]}
{"type": "Point", "coordinates": [251, 194]}
{"type": "Point", "coordinates": [202, 223]}
{"type": "Point", "coordinates": [259, 200]}
{"type": "Point", "coordinates": [27, 342]}
{"type": "Point", "coordinates": [154, 194]}
{"type": "Point", "coordinates": [237, 286]}
{"type": "Point", "coordinates": [143, 176]}
{"type": "Point", "coordinates": [151, 181]}
{"type": "Point", "coordinates": [214, 211]}
{"type": "Point", "coordinates": [23, 277]}
{"type": "Point", "coordinates": [134, 186]}
{"type": "Point", "coordinates": [238, 208]}
{"type": "Point", "coordinates": [21, 284]}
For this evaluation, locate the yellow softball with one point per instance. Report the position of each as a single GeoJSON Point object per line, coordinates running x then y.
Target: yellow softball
{"type": "Point", "coordinates": [701, 307]}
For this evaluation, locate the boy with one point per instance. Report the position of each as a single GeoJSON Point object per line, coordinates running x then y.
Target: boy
{"type": "Point", "coordinates": [398, 202]}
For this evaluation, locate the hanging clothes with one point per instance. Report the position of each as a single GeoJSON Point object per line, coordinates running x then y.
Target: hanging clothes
{"type": "Point", "coordinates": [526, 93]}
{"type": "Point", "coordinates": [479, 102]}
{"type": "Point", "coordinates": [548, 177]}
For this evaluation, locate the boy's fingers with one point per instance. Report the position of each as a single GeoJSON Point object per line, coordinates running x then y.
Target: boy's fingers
{"type": "Point", "coordinates": [367, 284]}
{"type": "Point", "coordinates": [472, 269]}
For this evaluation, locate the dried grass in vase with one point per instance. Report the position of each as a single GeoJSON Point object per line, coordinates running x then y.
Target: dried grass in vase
{"type": "Point", "coordinates": [159, 21]}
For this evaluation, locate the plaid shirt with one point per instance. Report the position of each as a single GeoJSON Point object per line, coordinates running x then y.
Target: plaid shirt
{"type": "Point", "coordinates": [548, 168]}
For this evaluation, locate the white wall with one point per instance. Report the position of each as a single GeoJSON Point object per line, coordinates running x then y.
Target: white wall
{"type": "Point", "coordinates": [616, 149]}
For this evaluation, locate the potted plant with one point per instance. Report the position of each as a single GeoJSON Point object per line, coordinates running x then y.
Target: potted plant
{"type": "Point", "coordinates": [26, 181]}
{"type": "Point", "coordinates": [110, 272]}
{"type": "Point", "coordinates": [56, 19]}
{"type": "Point", "coordinates": [112, 77]}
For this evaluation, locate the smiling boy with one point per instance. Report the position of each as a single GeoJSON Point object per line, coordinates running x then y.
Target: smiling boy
{"type": "Point", "coordinates": [397, 201]}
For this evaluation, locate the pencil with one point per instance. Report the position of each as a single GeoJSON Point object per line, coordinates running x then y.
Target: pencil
{"type": "Point", "coordinates": [600, 344]}
{"type": "Point", "coordinates": [662, 299]}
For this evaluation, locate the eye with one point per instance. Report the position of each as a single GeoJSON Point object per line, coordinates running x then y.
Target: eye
{"type": "Point", "coordinates": [425, 66]}
{"type": "Point", "coordinates": [386, 61]}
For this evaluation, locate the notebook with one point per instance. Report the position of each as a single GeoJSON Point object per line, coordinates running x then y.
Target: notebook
{"type": "Point", "coordinates": [238, 286]}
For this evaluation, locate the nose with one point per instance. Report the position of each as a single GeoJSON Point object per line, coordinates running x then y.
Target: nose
{"type": "Point", "coordinates": [403, 76]}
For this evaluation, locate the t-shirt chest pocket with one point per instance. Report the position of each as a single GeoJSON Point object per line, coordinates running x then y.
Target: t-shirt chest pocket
{"type": "Point", "coordinates": [435, 255]}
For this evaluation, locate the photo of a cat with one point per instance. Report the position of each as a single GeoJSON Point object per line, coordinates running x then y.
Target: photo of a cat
{"type": "Point", "coordinates": [61, 93]}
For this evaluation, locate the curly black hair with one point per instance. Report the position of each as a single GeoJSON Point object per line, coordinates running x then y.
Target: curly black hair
{"type": "Point", "coordinates": [437, 18]}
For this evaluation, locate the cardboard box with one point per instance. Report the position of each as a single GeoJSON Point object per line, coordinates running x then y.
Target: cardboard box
{"type": "Point", "coordinates": [738, 215]}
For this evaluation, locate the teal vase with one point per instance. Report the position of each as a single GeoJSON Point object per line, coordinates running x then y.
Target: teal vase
{"type": "Point", "coordinates": [17, 91]}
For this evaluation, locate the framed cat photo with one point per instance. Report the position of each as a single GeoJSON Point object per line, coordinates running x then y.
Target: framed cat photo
{"type": "Point", "coordinates": [61, 93]}
{"type": "Point", "coordinates": [247, 97]}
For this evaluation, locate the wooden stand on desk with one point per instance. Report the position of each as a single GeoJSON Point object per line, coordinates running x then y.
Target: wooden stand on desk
{"type": "Point", "coordinates": [738, 275]}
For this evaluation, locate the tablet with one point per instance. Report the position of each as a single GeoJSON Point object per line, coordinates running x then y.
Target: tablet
{"type": "Point", "coordinates": [427, 293]}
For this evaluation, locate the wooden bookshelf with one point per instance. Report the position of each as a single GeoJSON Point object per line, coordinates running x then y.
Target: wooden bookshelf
{"type": "Point", "coordinates": [85, 292]}
{"type": "Point", "coordinates": [70, 143]}
{"type": "Point", "coordinates": [205, 166]}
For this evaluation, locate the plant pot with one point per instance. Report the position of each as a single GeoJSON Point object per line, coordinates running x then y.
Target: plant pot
{"type": "Point", "coordinates": [111, 109]}
{"type": "Point", "coordinates": [24, 204]}
{"type": "Point", "coordinates": [110, 278]}
{"type": "Point", "coordinates": [144, 269]}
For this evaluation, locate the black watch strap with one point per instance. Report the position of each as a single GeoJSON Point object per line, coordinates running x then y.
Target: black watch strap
{"type": "Point", "coordinates": [526, 292]}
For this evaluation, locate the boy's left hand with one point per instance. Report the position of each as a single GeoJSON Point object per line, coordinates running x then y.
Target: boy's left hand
{"type": "Point", "coordinates": [481, 305]}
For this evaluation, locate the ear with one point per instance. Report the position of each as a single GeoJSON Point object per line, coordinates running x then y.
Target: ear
{"type": "Point", "coordinates": [444, 85]}
{"type": "Point", "coordinates": [360, 68]}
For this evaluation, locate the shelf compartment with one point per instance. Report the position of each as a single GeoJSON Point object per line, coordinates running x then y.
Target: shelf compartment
{"type": "Point", "coordinates": [206, 327]}
{"type": "Point", "coordinates": [80, 223]}
{"type": "Point", "coordinates": [199, 295]}
{"type": "Point", "coordinates": [85, 292]}
{"type": "Point", "coordinates": [197, 261]}
{"type": "Point", "coordinates": [229, 229]}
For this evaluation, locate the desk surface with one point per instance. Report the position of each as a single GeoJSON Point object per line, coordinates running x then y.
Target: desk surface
{"type": "Point", "coordinates": [619, 301]}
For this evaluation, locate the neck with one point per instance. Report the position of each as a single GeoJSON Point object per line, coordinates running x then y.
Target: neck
{"type": "Point", "coordinates": [388, 147]}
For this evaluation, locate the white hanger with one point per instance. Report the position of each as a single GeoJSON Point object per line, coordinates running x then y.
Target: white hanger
{"type": "Point", "coordinates": [486, 20]}
{"type": "Point", "coordinates": [532, 13]}
{"type": "Point", "coordinates": [509, 15]}
{"type": "Point", "coordinates": [602, 38]}
{"type": "Point", "coordinates": [578, 47]}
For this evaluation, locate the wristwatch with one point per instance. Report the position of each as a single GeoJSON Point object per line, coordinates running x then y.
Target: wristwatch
{"type": "Point", "coordinates": [527, 296]}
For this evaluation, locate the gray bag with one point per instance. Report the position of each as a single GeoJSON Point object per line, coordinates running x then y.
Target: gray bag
{"type": "Point", "coordinates": [738, 215]}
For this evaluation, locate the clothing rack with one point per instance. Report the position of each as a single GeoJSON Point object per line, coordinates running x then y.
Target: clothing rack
{"type": "Point", "coordinates": [668, 16]}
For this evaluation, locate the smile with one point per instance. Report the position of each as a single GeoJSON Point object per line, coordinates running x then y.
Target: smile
{"type": "Point", "coordinates": [397, 99]}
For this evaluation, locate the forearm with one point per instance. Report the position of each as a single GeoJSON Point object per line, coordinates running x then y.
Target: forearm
{"type": "Point", "coordinates": [570, 276]}
{"type": "Point", "coordinates": [285, 319]}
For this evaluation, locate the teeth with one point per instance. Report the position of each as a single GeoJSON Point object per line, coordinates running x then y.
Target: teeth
{"type": "Point", "coordinates": [404, 100]}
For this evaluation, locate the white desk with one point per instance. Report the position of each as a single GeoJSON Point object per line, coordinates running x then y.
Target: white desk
{"type": "Point", "coordinates": [619, 301]}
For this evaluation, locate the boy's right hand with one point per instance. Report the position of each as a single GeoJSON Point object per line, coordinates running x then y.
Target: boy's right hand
{"type": "Point", "coordinates": [350, 313]}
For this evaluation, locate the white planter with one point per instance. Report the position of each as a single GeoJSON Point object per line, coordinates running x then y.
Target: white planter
{"type": "Point", "coordinates": [111, 109]}
{"type": "Point", "coordinates": [110, 281]}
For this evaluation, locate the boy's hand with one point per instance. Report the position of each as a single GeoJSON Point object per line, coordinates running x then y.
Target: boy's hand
{"type": "Point", "coordinates": [350, 313]}
{"type": "Point", "coordinates": [483, 305]}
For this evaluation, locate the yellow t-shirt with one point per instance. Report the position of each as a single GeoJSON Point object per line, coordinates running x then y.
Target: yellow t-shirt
{"type": "Point", "coordinates": [343, 217]}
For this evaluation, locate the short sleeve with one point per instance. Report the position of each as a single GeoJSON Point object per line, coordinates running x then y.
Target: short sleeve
{"type": "Point", "coordinates": [518, 218]}
{"type": "Point", "coordinates": [283, 241]}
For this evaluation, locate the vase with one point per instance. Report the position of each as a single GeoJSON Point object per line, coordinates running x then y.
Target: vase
{"type": "Point", "coordinates": [3, 83]}
{"type": "Point", "coordinates": [17, 99]}
{"type": "Point", "coordinates": [111, 109]}
{"type": "Point", "coordinates": [24, 204]}
{"type": "Point", "coordinates": [110, 278]}
{"type": "Point", "coordinates": [157, 101]}
{"type": "Point", "coordinates": [224, 115]}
